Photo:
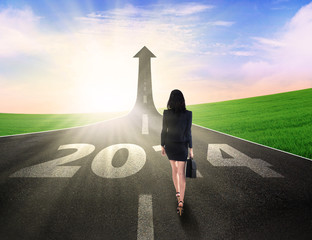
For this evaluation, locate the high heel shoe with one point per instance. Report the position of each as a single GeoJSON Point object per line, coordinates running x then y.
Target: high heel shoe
{"type": "Point", "coordinates": [180, 208]}
{"type": "Point", "coordinates": [178, 196]}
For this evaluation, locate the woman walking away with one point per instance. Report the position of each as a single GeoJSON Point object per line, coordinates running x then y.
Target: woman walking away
{"type": "Point", "coordinates": [176, 139]}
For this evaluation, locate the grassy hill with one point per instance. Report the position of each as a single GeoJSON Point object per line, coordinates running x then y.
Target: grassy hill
{"type": "Point", "coordinates": [282, 121]}
{"type": "Point", "coordinates": [26, 123]}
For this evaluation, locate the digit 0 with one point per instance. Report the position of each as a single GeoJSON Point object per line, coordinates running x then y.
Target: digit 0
{"type": "Point", "coordinates": [102, 163]}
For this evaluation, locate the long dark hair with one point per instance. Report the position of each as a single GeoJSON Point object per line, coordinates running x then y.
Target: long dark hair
{"type": "Point", "coordinates": [176, 101]}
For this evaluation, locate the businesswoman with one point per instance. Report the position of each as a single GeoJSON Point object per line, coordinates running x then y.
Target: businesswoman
{"type": "Point", "coordinates": [176, 140]}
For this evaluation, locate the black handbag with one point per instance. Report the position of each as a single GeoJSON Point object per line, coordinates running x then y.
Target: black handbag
{"type": "Point", "coordinates": [191, 168]}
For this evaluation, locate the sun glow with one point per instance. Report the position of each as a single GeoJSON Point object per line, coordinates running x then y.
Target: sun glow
{"type": "Point", "coordinates": [105, 79]}
{"type": "Point", "coordinates": [102, 99]}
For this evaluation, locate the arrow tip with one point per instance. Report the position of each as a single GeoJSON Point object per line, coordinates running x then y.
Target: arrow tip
{"type": "Point", "coordinates": [145, 52]}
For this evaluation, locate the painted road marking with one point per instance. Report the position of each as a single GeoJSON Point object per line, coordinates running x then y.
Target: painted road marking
{"type": "Point", "coordinates": [145, 218]}
{"type": "Point", "coordinates": [157, 148]}
{"type": "Point", "coordinates": [103, 167]}
{"type": "Point", "coordinates": [53, 168]}
{"type": "Point", "coordinates": [198, 174]}
{"type": "Point", "coordinates": [144, 124]}
{"type": "Point", "coordinates": [144, 99]}
{"type": "Point", "coordinates": [239, 159]}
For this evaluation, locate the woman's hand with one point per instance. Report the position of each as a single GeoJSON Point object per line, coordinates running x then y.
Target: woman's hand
{"type": "Point", "coordinates": [163, 151]}
{"type": "Point", "coordinates": [191, 153]}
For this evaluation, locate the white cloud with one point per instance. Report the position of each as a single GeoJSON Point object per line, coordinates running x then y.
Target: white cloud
{"type": "Point", "coordinates": [298, 36]}
{"type": "Point", "coordinates": [186, 9]}
{"type": "Point", "coordinates": [170, 27]}
{"type": "Point", "coordinates": [18, 31]}
{"type": "Point", "coordinates": [153, 11]}
{"type": "Point", "coordinates": [280, 1]}
{"type": "Point", "coordinates": [277, 64]}
{"type": "Point", "coordinates": [295, 39]}
{"type": "Point", "coordinates": [242, 53]}
{"type": "Point", "coordinates": [286, 58]}
{"type": "Point", "coordinates": [221, 23]}
{"type": "Point", "coordinates": [269, 42]}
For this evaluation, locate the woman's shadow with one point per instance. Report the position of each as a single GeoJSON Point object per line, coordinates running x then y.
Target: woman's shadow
{"type": "Point", "coordinates": [189, 223]}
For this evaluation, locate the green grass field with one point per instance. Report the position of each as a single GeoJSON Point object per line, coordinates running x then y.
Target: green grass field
{"type": "Point", "coordinates": [282, 121]}
{"type": "Point", "coordinates": [26, 123]}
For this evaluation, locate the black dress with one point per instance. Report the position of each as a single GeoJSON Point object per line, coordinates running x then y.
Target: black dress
{"type": "Point", "coordinates": [176, 136]}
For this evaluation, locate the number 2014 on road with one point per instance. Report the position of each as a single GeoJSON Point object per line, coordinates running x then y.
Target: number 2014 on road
{"type": "Point", "coordinates": [102, 163]}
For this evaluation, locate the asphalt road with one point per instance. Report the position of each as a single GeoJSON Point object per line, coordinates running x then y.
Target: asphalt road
{"type": "Point", "coordinates": [109, 181]}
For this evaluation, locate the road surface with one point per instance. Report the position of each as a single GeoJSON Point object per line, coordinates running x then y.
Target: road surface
{"type": "Point", "coordinates": [109, 181]}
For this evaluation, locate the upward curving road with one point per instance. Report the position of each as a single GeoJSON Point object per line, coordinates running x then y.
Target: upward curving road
{"type": "Point", "coordinates": [109, 181]}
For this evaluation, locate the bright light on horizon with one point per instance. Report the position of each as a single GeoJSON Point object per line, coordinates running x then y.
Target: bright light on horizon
{"type": "Point", "coordinates": [105, 79]}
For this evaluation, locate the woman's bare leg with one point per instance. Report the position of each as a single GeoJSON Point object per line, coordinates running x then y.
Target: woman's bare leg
{"type": "Point", "coordinates": [181, 178]}
{"type": "Point", "coordinates": [174, 168]}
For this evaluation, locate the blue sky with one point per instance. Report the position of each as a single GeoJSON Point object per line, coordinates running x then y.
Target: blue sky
{"type": "Point", "coordinates": [61, 56]}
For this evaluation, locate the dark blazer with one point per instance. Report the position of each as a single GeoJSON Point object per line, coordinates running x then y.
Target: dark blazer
{"type": "Point", "coordinates": [176, 127]}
